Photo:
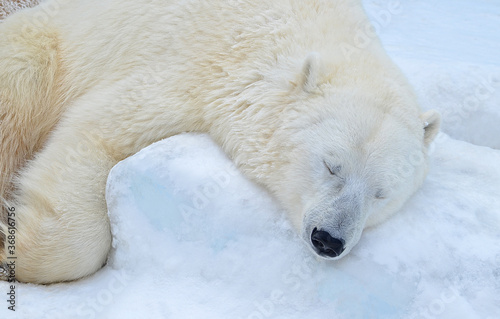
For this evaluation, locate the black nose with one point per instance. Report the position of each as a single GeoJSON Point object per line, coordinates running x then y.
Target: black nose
{"type": "Point", "coordinates": [325, 244]}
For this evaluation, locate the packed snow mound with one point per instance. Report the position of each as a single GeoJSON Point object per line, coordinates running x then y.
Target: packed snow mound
{"type": "Point", "coordinates": [206, 242]}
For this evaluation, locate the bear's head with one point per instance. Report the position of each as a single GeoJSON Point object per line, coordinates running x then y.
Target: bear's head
{"type": "Point", "coordinates": [353, 150]}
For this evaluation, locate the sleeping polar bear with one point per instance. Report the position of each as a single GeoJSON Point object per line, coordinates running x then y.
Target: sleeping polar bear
{"type": "Point", "coordinates": [330, 127]}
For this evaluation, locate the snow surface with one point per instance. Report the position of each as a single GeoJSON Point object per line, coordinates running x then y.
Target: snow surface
{"type": "Point", "coordinates": [194, 239]}
{"type": "Point", "coordinates": [450, 51]}
{"type": "Point", "coordinates": [7, 7]}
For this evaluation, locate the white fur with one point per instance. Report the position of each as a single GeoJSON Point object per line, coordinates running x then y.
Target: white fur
{"type": "Point", "coordinates": [267, 79]}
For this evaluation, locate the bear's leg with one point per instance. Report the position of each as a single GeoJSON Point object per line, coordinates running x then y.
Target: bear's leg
{"type": "Point", "coordinates": [63, 230]}
{"type": "Point", "coordinates": [31, 99]}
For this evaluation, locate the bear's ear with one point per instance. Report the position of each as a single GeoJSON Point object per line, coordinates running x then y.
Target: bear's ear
{"type": "Point", "coordinates": [432, 121]}
{"type": "Point", "coordinates": [311, 72]}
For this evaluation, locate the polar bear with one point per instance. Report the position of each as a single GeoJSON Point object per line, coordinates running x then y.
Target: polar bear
{"type": "Point", "coordinates": [327, 124]}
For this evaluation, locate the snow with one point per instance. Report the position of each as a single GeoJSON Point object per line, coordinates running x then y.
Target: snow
{"type": "Point", "coordinates": [449, 50]}
{"type": "Point", "coordinates": [194, 239]}
{"type": "Point", "coordinates": [8, 7]}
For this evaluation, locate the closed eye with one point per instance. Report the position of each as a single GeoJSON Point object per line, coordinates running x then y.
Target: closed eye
{"type": "Point", "coordinates": [334, 170]}
{"type": "Point", "coordinates": [379, 194]}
